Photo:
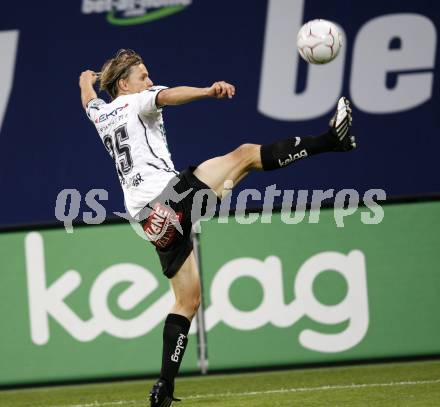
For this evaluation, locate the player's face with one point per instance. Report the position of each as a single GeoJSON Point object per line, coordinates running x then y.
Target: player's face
{"type": "Point", "coordinates": [138, 80]}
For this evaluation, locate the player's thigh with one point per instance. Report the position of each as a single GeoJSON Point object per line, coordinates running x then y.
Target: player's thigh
{"type": "Point", "coordinates": [186, 282]}
{"type": "Point", "coordinates": [230, 168]}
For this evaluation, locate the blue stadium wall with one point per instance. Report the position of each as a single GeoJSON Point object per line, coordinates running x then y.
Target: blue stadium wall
{"type": "Point", "coordinates": [389, 68]}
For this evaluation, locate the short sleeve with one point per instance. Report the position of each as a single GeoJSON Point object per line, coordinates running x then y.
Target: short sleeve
{"type": "Point", "coordinates": [92, 108]}
{"type": "Point", "coordinates": [147, 100]}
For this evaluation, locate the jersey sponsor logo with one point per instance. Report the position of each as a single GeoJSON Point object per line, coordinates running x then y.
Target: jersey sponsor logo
{"type": "Point", "coordinates": [114, 113]}
{"type": "Point", "coordinates": [180, 346]}
{"type": "Point", "coordinates": [121, 12]}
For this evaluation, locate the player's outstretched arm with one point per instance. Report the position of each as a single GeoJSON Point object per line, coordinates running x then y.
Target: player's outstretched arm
{"type": "Point", "coordinates": [187, 94]}
{"type": "Point", "coordinates": [86, 82]}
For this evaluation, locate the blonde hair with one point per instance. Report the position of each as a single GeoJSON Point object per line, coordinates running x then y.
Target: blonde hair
{"type": "Point", "coordinates": [116, 68]}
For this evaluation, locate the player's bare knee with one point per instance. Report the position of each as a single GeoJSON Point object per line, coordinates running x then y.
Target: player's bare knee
{"type": "Point", "coordinates": [191, 309]}
{"type": "Point", "coordinates": [246, 154]}
{"type": "Point", "coordinates": [189, 305]}
{"type": "Point", "coordinates": [193, 305]}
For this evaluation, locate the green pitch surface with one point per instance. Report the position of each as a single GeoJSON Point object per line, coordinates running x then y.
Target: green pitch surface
{"type": "Point", "coordinates": [388, 385]}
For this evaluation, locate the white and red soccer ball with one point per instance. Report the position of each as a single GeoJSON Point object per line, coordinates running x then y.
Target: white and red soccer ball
{"type": "Point", "coordinates": [319, 41]}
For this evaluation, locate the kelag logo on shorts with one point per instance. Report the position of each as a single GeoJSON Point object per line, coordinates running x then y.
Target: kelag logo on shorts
{"type": "Point", "coordinates": [132, 12]}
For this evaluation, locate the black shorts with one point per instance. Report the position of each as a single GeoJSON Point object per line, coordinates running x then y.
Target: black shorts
{"type": "Point", "coordinates": [163, 217]}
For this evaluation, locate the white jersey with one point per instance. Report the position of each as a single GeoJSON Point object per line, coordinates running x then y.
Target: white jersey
{"type": "Point", "coordinates": [131, 128]}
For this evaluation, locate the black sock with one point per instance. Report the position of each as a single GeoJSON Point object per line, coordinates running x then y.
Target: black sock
{"type": "Point", "coordinates": [175, 338]}
{"type": "Point", "coordinates": [285, 152]}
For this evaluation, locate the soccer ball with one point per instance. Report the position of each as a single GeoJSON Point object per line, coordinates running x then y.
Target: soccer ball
{"type": "Point", "coordinates": [319, 41]}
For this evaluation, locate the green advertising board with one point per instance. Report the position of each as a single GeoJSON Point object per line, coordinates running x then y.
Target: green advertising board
{"type": "Point", "coordinates": [91, 304]}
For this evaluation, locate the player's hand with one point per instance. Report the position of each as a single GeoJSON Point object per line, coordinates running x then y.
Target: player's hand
{"type": "Point", "coordinates": [88, 78]}
{"type": "Point", "coordinates": [221, 90]}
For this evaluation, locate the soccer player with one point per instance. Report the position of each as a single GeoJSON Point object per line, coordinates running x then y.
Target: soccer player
{"type": "Point", "coordinates": [132, 131]}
